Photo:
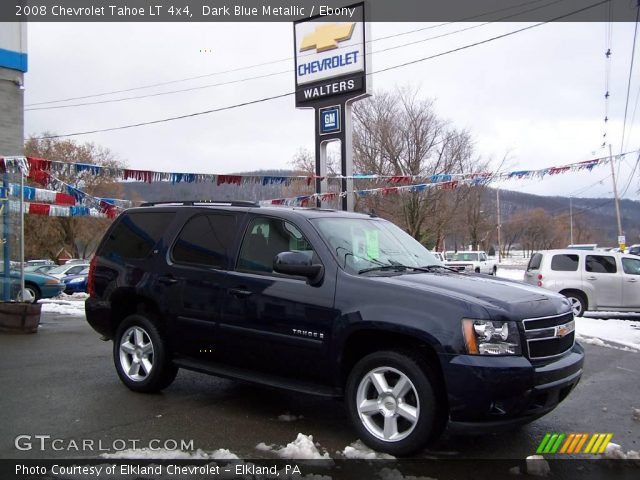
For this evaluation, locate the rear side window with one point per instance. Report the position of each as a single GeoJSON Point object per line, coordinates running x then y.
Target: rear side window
{"type": "Point", "coordinates": [564, 263]}
{"type": "Point", "coordinates": [535, 261]}
{"type": "Point", "coordinates": [601, 264]}
{"type": "Point", "coordinates": [206, 240]}
{"type": "Point", "coordinates": [135, 234]}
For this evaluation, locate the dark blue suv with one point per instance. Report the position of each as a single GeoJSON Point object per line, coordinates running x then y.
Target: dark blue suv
{"type": "Point", "coordinates": [329, 303]}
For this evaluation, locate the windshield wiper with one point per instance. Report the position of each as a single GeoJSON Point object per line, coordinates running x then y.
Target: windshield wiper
{"type": "Point", "coordinates": [398, 267]}
{"type": "Point", "coordinates": [442, 267]}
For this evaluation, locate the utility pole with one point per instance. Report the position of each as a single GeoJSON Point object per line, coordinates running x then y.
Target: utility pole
{"type": "Point", "coordinates": [615, 192]}
{"type": "Point", "coordinates": [571, 219]}
{"type": "Point", "coordinates": [498, 226]}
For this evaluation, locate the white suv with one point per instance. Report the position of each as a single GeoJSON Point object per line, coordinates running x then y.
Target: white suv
{"type": "Point", "coordinates": [591, 280]}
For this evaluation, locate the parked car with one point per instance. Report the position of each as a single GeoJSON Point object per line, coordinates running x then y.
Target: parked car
{"type": "Point", "coordinates": [39, 268]}
{"type": "Point", "coordinates": [472, 262]}
{"type": "Point", "coordinates": [36, 284]}
{"type": "Point", "coordinates": [583, 246]}
{"type": "Point", "coordinates": [330, 303]}
{"type": "Point", "coordinates": [73, 261]}
{"type": "Point", "coordinates": [62, 271]}
{"type": "Point", "coordinates": [591, 280]}
{"type": "Point", "coordinates": [634, 249]}
{"type": "Point", "coordinates": [439, 256]}
{"type": "Point", "coordinates": [40, 262]}
{"type": "Point", "coordinates": [76, 283]}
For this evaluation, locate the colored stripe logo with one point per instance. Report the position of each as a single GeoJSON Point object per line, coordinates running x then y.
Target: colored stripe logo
{"type": "Point", "coordinates": [573, 443]}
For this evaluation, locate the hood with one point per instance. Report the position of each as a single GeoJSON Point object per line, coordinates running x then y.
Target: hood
{"type": "Point", "coordinates": [498, 296]}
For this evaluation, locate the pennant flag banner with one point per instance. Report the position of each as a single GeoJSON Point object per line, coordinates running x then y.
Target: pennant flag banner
{"type": "Point", "coordinates": [56, 210]}
{"type": "Point", "coordinates": [68, 200]}
{"type": "Point", "coordinates": [41, 170]}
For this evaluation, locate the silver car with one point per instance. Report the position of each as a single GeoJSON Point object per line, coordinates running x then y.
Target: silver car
{"type": "Point", "coordinates": [591, 280]}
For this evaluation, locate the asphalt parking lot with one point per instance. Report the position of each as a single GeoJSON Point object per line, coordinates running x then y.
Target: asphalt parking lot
{"type": "Point", "coordinates": [61, 382]}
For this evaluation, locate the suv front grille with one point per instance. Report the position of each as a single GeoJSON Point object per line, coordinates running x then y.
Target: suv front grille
{"type": "Point", "coordinates": [549, 336]}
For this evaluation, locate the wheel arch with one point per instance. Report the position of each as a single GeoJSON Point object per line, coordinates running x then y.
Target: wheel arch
{"type": "Point", "coordinates": [587, 296]}
{"type": "Point", "coordinates": [362, 342]}
{"type": "Point", "coordinates": [126, 302]}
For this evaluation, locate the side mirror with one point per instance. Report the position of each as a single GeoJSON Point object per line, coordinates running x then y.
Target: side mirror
{"type": "Point", "coordinates": [299, 264]}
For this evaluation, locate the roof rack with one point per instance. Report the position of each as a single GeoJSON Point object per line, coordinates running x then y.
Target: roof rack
{"type": "Point", "coordinates": [232, 203]}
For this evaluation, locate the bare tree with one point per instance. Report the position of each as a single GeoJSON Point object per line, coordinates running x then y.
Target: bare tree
{"type": "Point", "coordinates": [399, 134]}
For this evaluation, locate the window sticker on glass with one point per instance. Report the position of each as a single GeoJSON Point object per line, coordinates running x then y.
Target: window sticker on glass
{"type": "Point", "coordinates": [373, 244]}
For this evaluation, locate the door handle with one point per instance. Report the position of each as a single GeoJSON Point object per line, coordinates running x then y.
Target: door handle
{"type": "Point", "coordinates": [591, 278]}
{"type": "Point", "coordinates": [167, 280]}
{"type": "Point", "coordinates": [240, 292]}
{"type": "Point", "coordinates": [632, 280]}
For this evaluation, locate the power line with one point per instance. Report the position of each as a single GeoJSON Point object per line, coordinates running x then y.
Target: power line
{"type": "Point", "coordinates": [607, 70]}
{"type": "Point", "coordinates": [626, 104]}
{"type": "Point", "coordinates": [481, 42]}
{"type": "Point", "coordinates": [152, 122]}
{"type": "Point", "coordinates": [265, 99]}
{"type": "Point", "coordinates": [232, 82]}
{"type": "Point", "coordinates": [197, 77]}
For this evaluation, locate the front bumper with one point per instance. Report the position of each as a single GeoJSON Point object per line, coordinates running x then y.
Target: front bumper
{"type": "Point", "coordinates": [489, 393]}
{"type": "Point", "coordinates": [50, 291]}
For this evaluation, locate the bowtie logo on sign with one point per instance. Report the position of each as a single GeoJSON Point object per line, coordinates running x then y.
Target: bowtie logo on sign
{"type": "Point", "coordinates": [326, 37]}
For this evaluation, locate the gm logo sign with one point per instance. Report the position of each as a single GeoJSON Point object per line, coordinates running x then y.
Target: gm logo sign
{"type": "Point", "coordinates": [329, 119]}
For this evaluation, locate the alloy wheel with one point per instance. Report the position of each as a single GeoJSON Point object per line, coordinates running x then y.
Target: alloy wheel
{"type": "Point", "coordinates": [388, 404]}
{"type": "Point", "coordinates": [136, 354]}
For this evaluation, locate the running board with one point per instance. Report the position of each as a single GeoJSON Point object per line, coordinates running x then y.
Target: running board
{"type": "Point", "coordinates": [269, 380]}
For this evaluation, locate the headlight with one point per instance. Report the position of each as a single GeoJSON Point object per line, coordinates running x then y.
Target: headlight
{"type": "Point", "coordinates": [76, 280]}
{"type": "Point", "coordinates": [53, 281]}
{"type": "Point", "coordinates": [488, 337]}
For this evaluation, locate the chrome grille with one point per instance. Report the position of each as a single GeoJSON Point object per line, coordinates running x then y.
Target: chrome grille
{"type": "Point", "coordinates": [549, 337]}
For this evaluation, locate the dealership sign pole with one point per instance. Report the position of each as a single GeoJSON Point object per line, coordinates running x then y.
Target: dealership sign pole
{"type": "Point", "coordinates": [332, 62]}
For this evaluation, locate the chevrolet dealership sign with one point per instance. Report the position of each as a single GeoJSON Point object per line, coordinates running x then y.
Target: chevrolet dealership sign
{"type": "Point", "coordinates": [330, 58]}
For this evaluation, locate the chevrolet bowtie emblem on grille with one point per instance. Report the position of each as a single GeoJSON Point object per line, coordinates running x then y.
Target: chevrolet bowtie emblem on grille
{"type": "Point", "coordinates": [326, 37]}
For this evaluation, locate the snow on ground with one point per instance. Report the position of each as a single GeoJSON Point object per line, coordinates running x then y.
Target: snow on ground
{"type": "Point", "coordinates": [147, 453]}
{"type": "Point", "coordinates": [510, 273]}
{"type": "Point", "coordinates": [301, 448]}
{"type": "Point", "coordinates": [516, 260]}
{"type": "Point", "coordinates": [65, 304]}
{"type": "Point", "coordinates": [537, 466]}
{"type": "Point", "coordinates": [358, 450]}
{"type": "Point", "coordinates": [602, 332]}
{"type": "Point", "coordinates": [615, 452]}
{"type": "Point", "coordinates": [62, 307]}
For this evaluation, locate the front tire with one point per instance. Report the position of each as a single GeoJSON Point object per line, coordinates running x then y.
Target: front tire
{"type": "Point", "coordinates": [578, 302]}
{"type": "Point", "coordinates": [34, 291]}
{"type": "Point", "coordinates": [141, 357]}
{"type": "Point", "coordinates": [392, 402]}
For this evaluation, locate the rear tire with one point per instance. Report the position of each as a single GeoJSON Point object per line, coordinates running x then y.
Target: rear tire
{"type": "Point", "coordinates": [578, 302]}
{"type": "Point", "coordinates": [141, 357]}
{"type": "Point", "coordinates": [392, 402]}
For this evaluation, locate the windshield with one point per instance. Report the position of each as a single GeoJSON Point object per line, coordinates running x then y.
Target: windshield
{"type": "Point", "coordinates": [361, 243]}
{"type": "Point", "coordinates": [465, 257]}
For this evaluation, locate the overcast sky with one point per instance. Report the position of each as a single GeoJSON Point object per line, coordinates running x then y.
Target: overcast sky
{"type": "Point", "coordinates": [537, 96]}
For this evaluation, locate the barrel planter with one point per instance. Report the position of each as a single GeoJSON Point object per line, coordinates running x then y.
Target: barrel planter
{"type": "Point", "coordinates": [19, 317]}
